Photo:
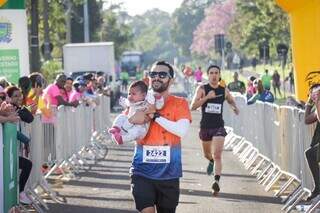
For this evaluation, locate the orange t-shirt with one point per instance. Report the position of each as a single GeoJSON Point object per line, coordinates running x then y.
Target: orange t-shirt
{"type": "Point", "coordinates": [175, 108]}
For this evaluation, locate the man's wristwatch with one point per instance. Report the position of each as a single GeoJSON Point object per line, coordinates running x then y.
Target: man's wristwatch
{"type": "Point", "coordinates": [156, 115]}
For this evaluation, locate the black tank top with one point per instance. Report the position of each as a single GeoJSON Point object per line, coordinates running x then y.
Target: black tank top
{"type": "Point", "coordinates": [212, 109]}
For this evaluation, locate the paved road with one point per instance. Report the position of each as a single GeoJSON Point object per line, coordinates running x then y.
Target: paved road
{"type": "Point", "coordinates": [105, 186]}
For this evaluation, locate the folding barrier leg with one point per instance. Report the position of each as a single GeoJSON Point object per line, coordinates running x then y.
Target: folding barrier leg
{"type": "Point", "coordinates": [238, 147]}
{"type": "Point", "coordinates": [245, 156]}
{"type": "Point", "coordinates": [314, 206]}
{"type": "Point", "coordinates": [292, 197]}
{"type": "Point", "coordinates": [35, 200]}
{"type": "Point", "coordinates": [250, 163]}
{"type": "Point", "coordinates": [46, 187]}
{"type": "Point", "coordinates": [244, 151]}
{"type": "Point", "coordinates": [234, 143]}
{"type": "Point", "coordinates": [284, 187]}
{"type": "Point", "coordinates": [275, 179]}
{"type": "Point", "coordinates": [257, 166]}
{"type": "Point", "coordinates": [270, 177]}
{"type": "Point", "coordinates": [260, 176]}
{"type": "Point", "coordinates": [267, 175]}
{"type": "Point", "coordinates": [251, 159]}
{"type": "Point", "coordinates": [299, 198]}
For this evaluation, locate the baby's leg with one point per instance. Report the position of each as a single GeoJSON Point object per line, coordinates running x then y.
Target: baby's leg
{"type": "Point", "coordinates": [118, 123]}
{"type": "Point", "coordinates": [134, 133]}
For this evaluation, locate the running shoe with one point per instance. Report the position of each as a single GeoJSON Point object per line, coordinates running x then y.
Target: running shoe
{"type": "Point", "coordinates": [215, 188]}
{"type": "Point", "coordinates": [117, 138]}
{"type": "Point", "coordinates": [114, 129]}
{"type": "Point", "coordinates": [24, 199]}
{"type": "Point", "coordinates": [210, 168]}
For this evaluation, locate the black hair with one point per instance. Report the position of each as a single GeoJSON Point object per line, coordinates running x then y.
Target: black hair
{"type": "Point", "coordinates": [24, 83]}
{"type": "Point", "coordinates": [141, 85]}
{"type": "Point", "coordinates": [213, 66]}
{"type": "Point", "coordinates": [10, 90]}
{"type": "Point", "coordinates": [313, 86]}
{"type": "Point", "coordinates": [88, 76]}
{"type": "Point", "coordinates": [100, 73]}
{"type": "Point", "coordinates": [69, 79]}
{"type": "Point", "coordinates": [60, 76]}
{"type": "Point", "coordinates": [36, 79]}
{"type": "Point", "coordinates": [164, 63]}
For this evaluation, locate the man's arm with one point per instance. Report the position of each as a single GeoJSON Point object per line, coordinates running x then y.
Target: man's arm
{"type": "Point", "coordinates": [61, 101]}
{"type": "Point", "coordinates": [200, 98]}
{"type": "Point", "coordinates": [11, 118]}
{"type": "Point", "coordinates": [231, 101]}
{"type": "Point", "coordinates": [178, 128]}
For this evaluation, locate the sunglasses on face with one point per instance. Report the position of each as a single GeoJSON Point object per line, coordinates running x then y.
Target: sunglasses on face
{"type": "Point", "coordinates": [161, 74]}
{"type": "Point", "coordinates": [3, 98]}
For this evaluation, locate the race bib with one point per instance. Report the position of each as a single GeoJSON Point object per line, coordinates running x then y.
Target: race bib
{"type": "Point", "coordinates": [213, 108]}
{"type": "Point", "coordinates": [156, 154]}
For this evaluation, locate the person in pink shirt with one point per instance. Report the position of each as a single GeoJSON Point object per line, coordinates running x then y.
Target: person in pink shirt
{"type": "Point", "coordinates": [251, 88]}
{"type": "Point", "coordinates": [53, 93]}
{"type": "Point", "coordinates": [77, 93]}
{"type": "Point", "coordinates": [68, 88]}
{"type": "Point", "coordinates": [198, 75]}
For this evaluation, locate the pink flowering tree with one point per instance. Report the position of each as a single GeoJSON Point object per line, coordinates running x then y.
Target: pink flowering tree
{"type": "Point", "coordinates": [217, 19]}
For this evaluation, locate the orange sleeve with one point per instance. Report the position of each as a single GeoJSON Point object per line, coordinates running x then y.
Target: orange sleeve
{"type": "Point", "coordinates": [183, 110]}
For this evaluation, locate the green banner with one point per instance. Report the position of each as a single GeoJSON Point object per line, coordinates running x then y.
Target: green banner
{"type": "Point", "coordinates": [9, 64]}
{"type": "Point", "coordinates": [10, 166]}
{"type": "Point", "coordinates": [12, 4]}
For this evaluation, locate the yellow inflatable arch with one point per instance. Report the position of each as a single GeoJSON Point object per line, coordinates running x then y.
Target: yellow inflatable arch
{"type": "Point", "coordinates": [305, 39]}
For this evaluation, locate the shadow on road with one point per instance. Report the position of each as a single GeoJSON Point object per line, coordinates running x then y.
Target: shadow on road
{"type": "Point", "coordinates": [261, 199]}
{"type": "Point", "coordinates": [67, 208]}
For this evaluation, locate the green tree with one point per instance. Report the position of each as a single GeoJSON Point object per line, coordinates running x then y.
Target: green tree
{"type": "Point", "coordinates": [258, 21]}
{"type": "Point", "coordinates": [118, 32]}
{"type": "Point", "coordinates": [152, 35]}
{"type": "Point", "coordinates": [185, 21]}
{"type": "Point", "coordinates": [95, 21]}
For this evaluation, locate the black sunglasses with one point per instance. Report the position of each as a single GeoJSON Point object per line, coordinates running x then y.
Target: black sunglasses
{"type": "Point", "coordinates": [161, 74]}
{"type": "Point", "coordinates": [2, 97]}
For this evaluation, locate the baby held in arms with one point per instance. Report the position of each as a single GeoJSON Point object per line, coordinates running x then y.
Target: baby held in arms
{"type": "Point", "coordinates": [124, 127]}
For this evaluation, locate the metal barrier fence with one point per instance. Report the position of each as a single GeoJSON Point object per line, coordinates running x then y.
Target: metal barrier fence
{"type": "Point", "coordinates": [65, 142]}
{"type": "Point", "coordinates": [278, 132]}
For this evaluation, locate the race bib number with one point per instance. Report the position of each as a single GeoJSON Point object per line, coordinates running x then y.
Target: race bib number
{"type": "Point", "coordinates": [213, 108]}
{"type": "Point", "coordinates": [156, 154]}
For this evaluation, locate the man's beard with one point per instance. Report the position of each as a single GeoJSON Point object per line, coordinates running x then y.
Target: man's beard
{"type": "Point", "coordinates": [163, 87]}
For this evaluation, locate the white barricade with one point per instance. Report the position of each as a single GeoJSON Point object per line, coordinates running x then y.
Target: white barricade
{"type": "Point", "coordinates": [279, 133]}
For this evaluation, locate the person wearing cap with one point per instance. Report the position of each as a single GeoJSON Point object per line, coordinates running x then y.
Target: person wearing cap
{"type": "Point", "coordinates": [77, 93]}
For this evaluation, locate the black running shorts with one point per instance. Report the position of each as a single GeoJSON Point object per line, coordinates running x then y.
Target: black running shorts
{"type": "Point", "coordinates": [208, 134]}
{"type": "Point", "coordinates": [148, 192]}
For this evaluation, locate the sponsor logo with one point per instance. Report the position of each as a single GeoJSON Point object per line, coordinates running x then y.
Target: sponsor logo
{"type": "Point", "coordinates": [5, 31]}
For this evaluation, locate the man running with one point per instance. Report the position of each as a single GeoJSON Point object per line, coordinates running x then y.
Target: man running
{"type": "Point", "coordinates": [210, 98]}
{"type": "Point", "coordinates": [156, 166]}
